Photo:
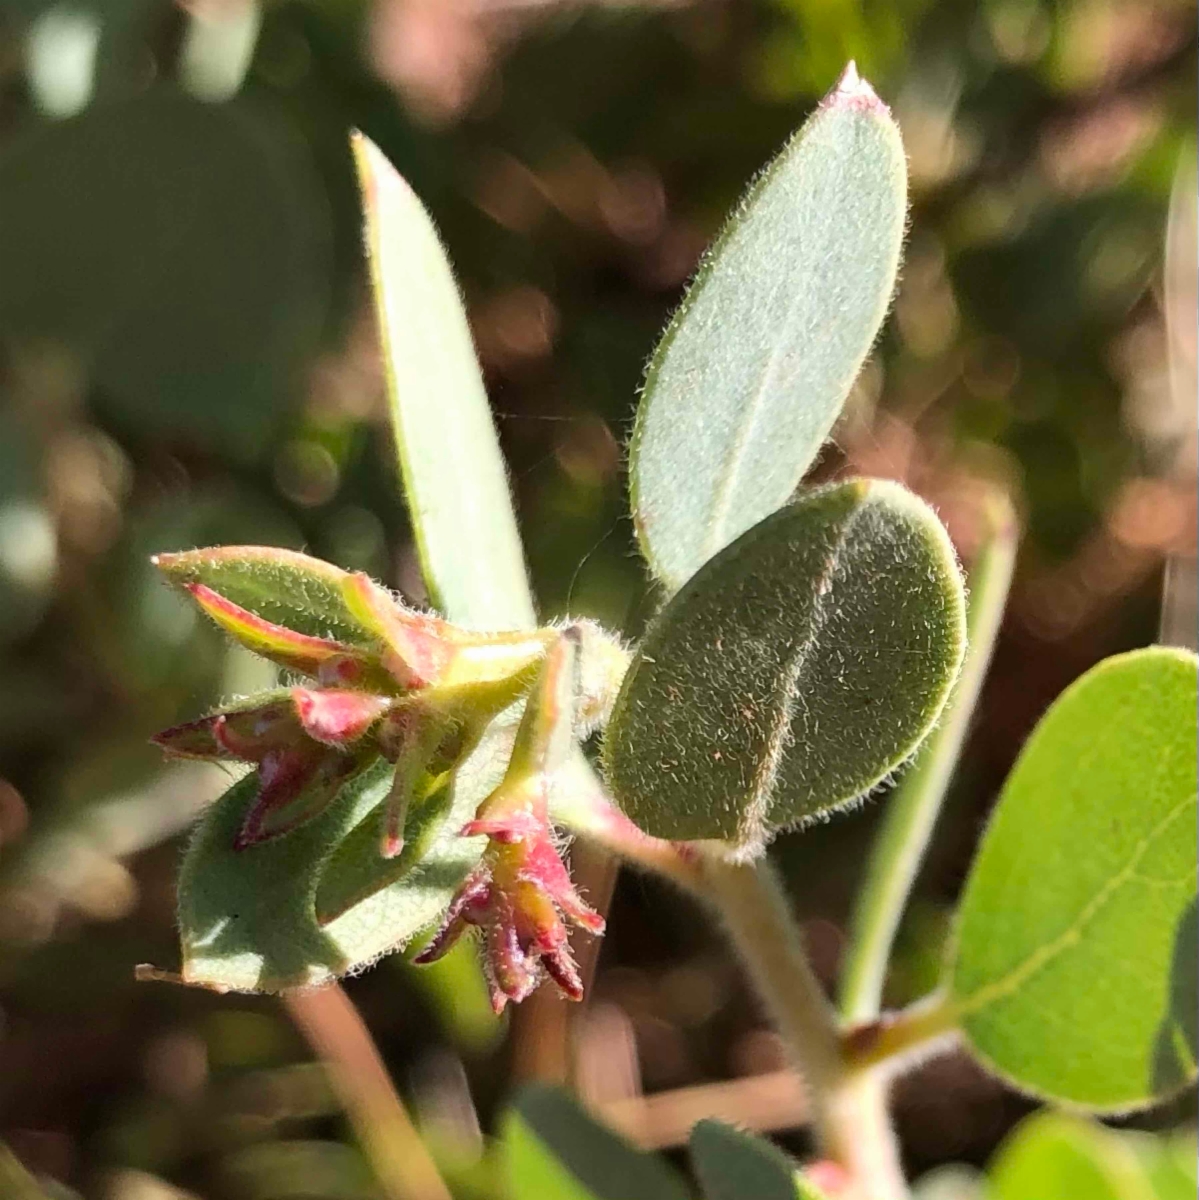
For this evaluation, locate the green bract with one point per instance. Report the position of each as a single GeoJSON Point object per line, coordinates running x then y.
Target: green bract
{"type": "Point", "coordinates": [754, 368]}
{"type": "Point", "coordinates": [1075, 968]}
{"type": "Point", "coordinates": [311, 906]}
{"type": "Point", "coordinates": [793, 671]}
{"type": "Point", "coordinates": [289, 589]}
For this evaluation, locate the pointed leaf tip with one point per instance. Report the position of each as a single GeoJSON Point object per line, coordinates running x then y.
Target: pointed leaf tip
{"type": "Point", "coordinates": [467, 538]}
{"type": "Point", "coordinates": [803, 273]}
{"type": "Point", "coordinates": [852, 91]}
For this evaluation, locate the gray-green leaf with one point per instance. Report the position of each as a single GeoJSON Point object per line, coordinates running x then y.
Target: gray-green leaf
{"type": "Point", "coordinates": [554, 1151]}
{"type": "Point", "coordinates": [793, 672]}
{"type": "Point", "coordinates": [1075, 971]}
{"type": "Point", "coordinates": [756, 364]}
{"type": "Point", "coordinates": [454, 476]}
{"type": "Point", "coordinates": [731, 1165]}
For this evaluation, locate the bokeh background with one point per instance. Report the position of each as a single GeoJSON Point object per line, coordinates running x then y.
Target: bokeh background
{"type": "Point", "coordinates": [187, 356]}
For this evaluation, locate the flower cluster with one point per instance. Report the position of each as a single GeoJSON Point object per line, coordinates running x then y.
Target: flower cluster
{"type": "Point", "coordinates": [418, 691]}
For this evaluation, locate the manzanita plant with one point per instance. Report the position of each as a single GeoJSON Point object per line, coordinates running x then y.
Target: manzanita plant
{"type": "Point", "coordinates": [415, 776]}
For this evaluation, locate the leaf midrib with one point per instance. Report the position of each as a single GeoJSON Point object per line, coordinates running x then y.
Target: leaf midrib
{"type": "Point", "coordinates": [786, 691]}
{"type": "Point", "coordinates": [1009, 983]}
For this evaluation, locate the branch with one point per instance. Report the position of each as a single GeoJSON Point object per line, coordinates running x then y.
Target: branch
{"type": "Point", "coordinates": [849, 1110]}
{"type": "Point", "coordinates": [336, 1032]}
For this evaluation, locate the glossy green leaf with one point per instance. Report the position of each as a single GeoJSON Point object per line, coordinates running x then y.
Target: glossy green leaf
{"type": "Point", "coordinates": [320, 902]}
{"type": "Point", "coordinates": [282, 586]}
{"type": "Point", "coordinates": [553, 1150]}
{"type": "Point", "coordinates": [731, 1165]}
{"type": "Point", "coordinates": [757, 362]}
{"type": "Point", "coordinates": [1075, 969]}
{"type": "Point", "coordinates": [454, 476]}
{"type": "Point", "coordinates": [793, 672]}
{"type": "Point", "coordinates": [1050, 1156]}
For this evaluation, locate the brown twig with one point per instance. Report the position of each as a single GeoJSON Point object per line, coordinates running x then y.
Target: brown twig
{"type": "Point", "coordinates": [336, 1032]}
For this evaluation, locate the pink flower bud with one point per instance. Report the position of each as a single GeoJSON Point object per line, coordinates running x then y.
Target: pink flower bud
{"type": "Point", "coordinates": [518, 897]}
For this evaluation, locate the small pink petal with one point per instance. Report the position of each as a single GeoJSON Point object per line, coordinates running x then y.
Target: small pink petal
{"type": "Point", "coordinates": [561, 968]}
{"type": "Point", "coordinates": [337, 716]}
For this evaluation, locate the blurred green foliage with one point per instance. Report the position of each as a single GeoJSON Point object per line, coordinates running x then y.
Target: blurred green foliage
{"type": "Point", "coordinates": [187, 357]}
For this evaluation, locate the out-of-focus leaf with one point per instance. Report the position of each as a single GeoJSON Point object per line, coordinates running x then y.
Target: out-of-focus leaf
{"type": "Point", "coordinates": [1170, 1162]}
{"type": "Point", "coordinates": [553, 1151]}
{"type": "Point", "coordinates": [1076, 943]}
{"type": "Point", "coordinates": [732, 1165]}
{"type": "Point", "coordinates": [28, 539]}
{"type": "Point", "coordinates": [457, 991]}
{"type": "Point", "coordinates": [793, 672]}
{"type": "Point", "coordinates": [178, 250]}
{"type": "Point", "coordinates": [281, 586]}
{"type": "Point", "coordinates": [1055, 1157]}
{"type": "Point", "coordinates": [950, 1181]}
{"type": "Point", "coordinates": [454, 476]}
{"type": "Point", "coordinates": [753, 370]}
{"type": "Point", "coordinates": [320, 901]}
{"type": "Point", "coordinates": [275, 1169]}
{"type": "Point", "coordinates": [15, 1182]}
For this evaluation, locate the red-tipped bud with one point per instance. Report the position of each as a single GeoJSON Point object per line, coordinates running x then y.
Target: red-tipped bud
{"type": "Point", "coordinates": [293, 787]}
{"type": "Point", "coordinates": [336, 716]}
{"type": "Point", "coordinates": [305, 742]}
{"type": "Point", "coordinates": [418, 647]}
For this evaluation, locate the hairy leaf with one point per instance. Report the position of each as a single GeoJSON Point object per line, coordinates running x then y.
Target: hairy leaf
{"type": "Point", "coordinates": [1075, 971]}
{"type": "Point", "coordinates": [454, 476]}
{"type": "Point", "coordinates": [753, 370]}
{"type": "Point", "coordinates": [321, 901]}
{"type": "Point", "coordinates": [280, 586]}
{"type": "Point", "coordinates": [793, 672]}
{"type": "Point", "coordinates": [554, 1151]}
{"type": "Point", "coordinates": [732, 1165]}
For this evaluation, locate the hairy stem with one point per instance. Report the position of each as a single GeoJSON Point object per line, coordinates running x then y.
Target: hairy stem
{"type": "Point", "coordinates": [336, 1032]}
{"type": "Point", "coordinates": [901, 1039]}
{"type": "Point", "coordinates": [583, 807]}
{"type": "Point", "coordinates": [912, 811]}
{"type": "Point", "coordinates": [848, 1108]}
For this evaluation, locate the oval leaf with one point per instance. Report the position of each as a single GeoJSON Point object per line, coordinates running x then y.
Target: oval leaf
{"type": "Point", "coordinates": [1075, 968]}
{"type": "Point", "coordinates": [319, 902]}
{"type": "Point", "coordinates": [731, 1165]}
{"type": "Point", "coordinates": [554, 1151]}
{"type": "Point", "coordinates": [793, 672]}
{"type": "Point", "coordinates": [757, 362]}
{"type": "Point", "coordinates": [454, 475]}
